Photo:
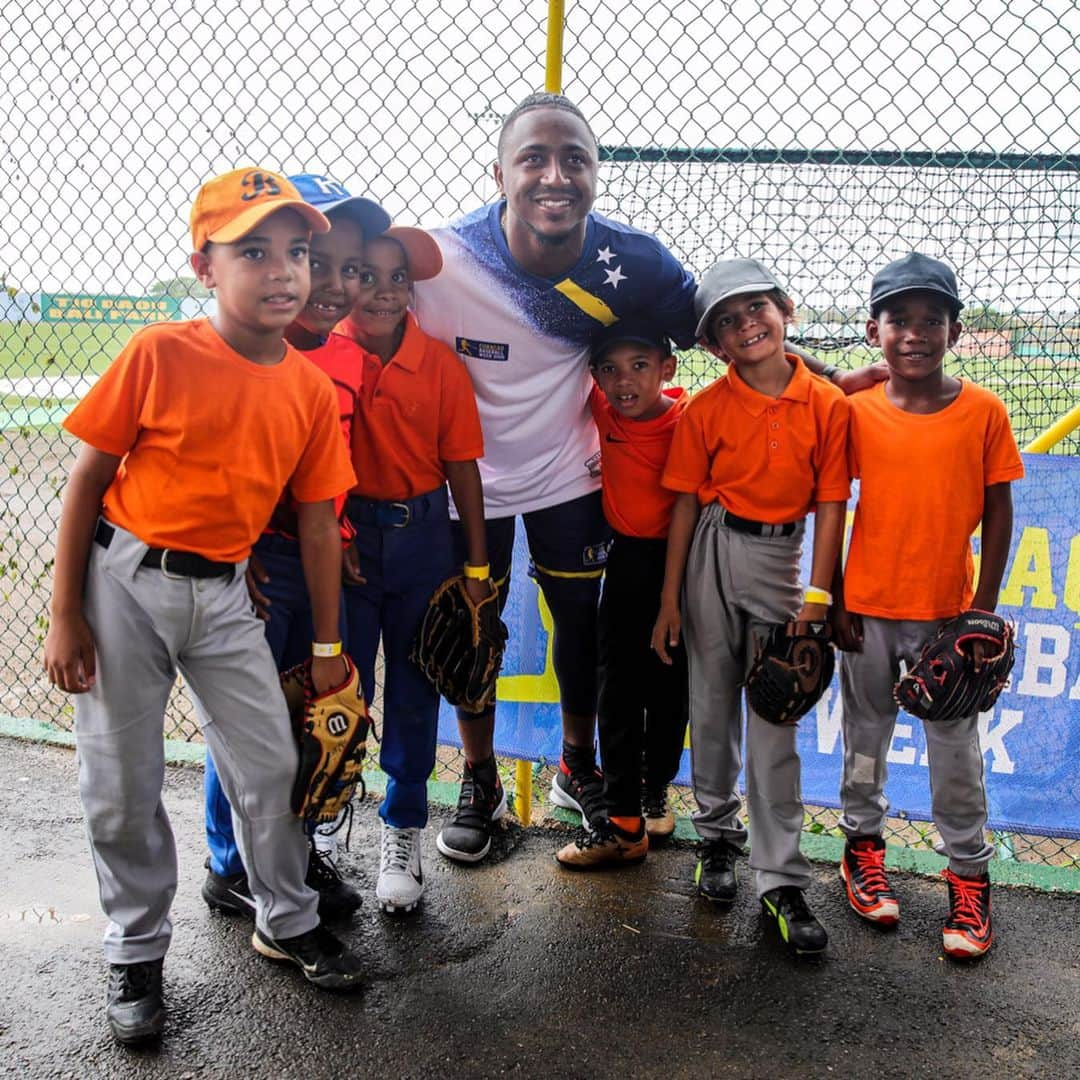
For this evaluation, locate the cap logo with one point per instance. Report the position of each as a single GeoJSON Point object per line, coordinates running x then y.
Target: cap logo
{"type": "Point", "coordinates": [260, 183]}
{"type": "Point", "coordinates": [329, 187]}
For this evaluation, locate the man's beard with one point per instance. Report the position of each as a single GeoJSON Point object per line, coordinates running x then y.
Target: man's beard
{"type": "Point", "coordinates": [554, 240]}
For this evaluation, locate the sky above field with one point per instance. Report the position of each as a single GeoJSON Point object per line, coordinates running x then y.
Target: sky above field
{"type": "Point", "coordinates": [114, 113]}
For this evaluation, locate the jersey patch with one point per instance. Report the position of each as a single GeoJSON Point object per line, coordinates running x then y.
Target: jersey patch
{"type": "Point", "coordinates": [595, 554]}
{"type": "Point", "coordinates": [482, 350]}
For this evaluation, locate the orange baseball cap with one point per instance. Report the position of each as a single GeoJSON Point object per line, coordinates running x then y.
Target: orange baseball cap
{"type": "Point", "coordinates": [422, 251]}
{"type": "Point", "coordinates": [231, 205]}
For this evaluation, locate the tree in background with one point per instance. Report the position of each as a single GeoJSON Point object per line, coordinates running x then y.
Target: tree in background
{"type": "Point", "coordinates": [985, 317]}
{"type": "Point", "coordinates": [179, 288]}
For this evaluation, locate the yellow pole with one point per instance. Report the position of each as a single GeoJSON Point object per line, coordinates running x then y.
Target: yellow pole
{"type": "Point", "coordinates": [553, 85]}
{"type": "Point", "coordinates": [1055, 432]}
{"type": "Point", "coordinates": [523, 791]}
{"type": "Point", "coordinates": [553, 64]}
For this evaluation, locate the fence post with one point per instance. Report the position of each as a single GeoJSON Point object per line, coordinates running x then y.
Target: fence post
{"type": "Point", "coordinates": [553, 64]}
{"type": "Point", "coordinates": [553, 85]}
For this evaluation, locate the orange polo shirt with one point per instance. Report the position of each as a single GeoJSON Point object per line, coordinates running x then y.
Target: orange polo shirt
{"type": "Point", "coordinates": [413, 414]}
{"type": "Point", "coordinates": [910, 558]}
{"type": "Point", "coordinates": [632, 457]}
{"type": "Point", "coordinates": [764, 458]}
{"type": "Point", "coordinates": [343, 361]}
{"type": "Point", "coordinates": [210, 439]}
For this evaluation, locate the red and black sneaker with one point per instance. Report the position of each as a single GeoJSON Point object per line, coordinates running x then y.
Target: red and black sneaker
{"type": "Point", "coordinates": [967, 933]}
{"type": "Point", "coordinates": [580, 788]}
{"type": "Point", "coordinates": [868, 889]}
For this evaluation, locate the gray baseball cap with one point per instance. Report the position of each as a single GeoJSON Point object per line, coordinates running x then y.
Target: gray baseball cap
{"type": "Point", "coordinates": [914, 271]}
{"type": "Point", "coordinates": [730, 277]}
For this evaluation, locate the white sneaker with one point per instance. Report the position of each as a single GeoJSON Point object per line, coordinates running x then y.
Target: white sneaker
{"type": "Point", "coordinates": [401, 879]}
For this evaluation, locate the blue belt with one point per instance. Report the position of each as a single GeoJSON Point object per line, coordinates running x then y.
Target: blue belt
{"type": "Point", "coordinates": [397, 514]}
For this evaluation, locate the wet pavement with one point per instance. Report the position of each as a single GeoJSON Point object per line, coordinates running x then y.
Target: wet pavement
{"type": "Point", "coordinates": [517, 966]}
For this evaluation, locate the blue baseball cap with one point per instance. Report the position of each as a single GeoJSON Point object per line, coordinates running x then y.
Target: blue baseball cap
{"type": "Point", "coordinates": [912, 272]}
{"type": "Point", "coordinates": [327, 195]}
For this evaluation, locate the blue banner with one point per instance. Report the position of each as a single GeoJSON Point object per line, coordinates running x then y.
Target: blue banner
{"type": "Point", "coordinates": [1030, 739]}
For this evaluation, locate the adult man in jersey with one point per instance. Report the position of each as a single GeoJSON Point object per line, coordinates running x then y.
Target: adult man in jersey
{"type": "Point", "coordinates": [526, 281]}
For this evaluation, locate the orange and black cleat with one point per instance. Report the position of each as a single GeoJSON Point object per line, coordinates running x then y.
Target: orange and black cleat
{"type": "Point", "coordinates": [868, 889]}
{"type": "Point", "coordinates": [967, 934]}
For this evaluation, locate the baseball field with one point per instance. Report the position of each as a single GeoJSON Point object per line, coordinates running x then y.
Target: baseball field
{"type": "Point", "coordinates": [45, 368]}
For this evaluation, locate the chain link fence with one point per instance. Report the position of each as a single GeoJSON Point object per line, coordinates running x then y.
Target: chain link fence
{"type": "Point", "coordinates": [819, 137]}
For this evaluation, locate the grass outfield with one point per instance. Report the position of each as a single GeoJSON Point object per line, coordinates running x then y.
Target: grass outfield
{"type": "Point", "coordinates": [49, 349]}
{"type": "Point", "coordinates": [1035, 391]}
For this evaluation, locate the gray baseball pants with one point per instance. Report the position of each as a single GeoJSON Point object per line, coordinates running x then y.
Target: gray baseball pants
{"type": "Point", "coordinates": [737, 584]}
{"type": "Point", "coordinates": [147, 625]}
{"type": "Point", "coordinates": [957, 791]}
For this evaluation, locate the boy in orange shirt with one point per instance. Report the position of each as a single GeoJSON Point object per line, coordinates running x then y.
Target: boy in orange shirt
{"type": "Point", "coordinates": [276, 572]}
{"type": "Point", "coordinates": [753, 454]}
{"type": "Point", "coordinates": [417, 431]}
{"type": "Point", "coordinates": [905, 577]}
{"type": "Point", "coordinates": [189, 438]}
{"type": "Point", "coordinates": [642, 703]}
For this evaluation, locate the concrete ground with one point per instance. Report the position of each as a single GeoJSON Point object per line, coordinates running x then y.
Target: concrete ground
{"type": "Point", "coordinates": [519, 967]}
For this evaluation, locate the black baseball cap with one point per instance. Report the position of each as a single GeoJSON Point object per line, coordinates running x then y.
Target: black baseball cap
{"type": "Point", "coordinates": [914, 271]}
{"type": "Point", "coordinates": [636, 330]}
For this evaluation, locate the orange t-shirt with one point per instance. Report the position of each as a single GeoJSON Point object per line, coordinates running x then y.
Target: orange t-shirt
{"type": "Point", "coordinates": [763, 458]}
{"type": "Point", "coordinates": [343, 361]}
{"type": "Point", "coordinates": [415, 413]}
{"type": "Point", "coordinates": [632, 456]}
{"type": "Point", "coordinates": [209, 439]}
{"type": "Point", "coordinates": [922, 480]}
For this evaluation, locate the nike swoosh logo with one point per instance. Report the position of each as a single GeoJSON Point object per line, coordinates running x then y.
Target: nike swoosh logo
{"type": "Point", "coordinates": [242, 898]}
{"type": "Point", "coordinates": [611, 438]}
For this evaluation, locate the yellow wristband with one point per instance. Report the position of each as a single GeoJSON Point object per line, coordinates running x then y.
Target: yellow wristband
{"type": "Point", "coordinates": [478, 573]}
{"type": "Point", "coordinates": [817, 596]}
{"type": "Point", "coordinates": [326, 648]}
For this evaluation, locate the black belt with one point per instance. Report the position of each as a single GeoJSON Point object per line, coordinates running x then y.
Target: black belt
{"type": "Point", "coordinates": [170, 562]}
{"type": "Point", "coordinates": [755, 528]}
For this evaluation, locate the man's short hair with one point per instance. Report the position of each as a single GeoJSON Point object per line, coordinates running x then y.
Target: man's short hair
{"type": "Point", "coordinates": [542, 100]}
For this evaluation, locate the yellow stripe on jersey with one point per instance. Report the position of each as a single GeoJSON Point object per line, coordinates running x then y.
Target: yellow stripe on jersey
{"type": "Point", "coordinates": [568, 573]}
{"type": "Point", "coordinates": [591, 305]}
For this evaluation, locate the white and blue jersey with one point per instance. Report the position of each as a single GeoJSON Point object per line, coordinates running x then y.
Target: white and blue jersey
{"type": "Point", "coordinates": [525, 340]}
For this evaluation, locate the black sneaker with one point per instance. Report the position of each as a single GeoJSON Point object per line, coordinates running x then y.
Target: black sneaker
{"type": "Point", "coordinates": [133, 1002]}
{"type": "Point", "coordinates": [324, 960]}
{"type": "Point", "coordinates": [337, 899]}
{"type": "Point", "coordinates": [581, 790]}
{"type": "Point", "coordinates": [802, 933]}
{"type": "Point", "coordinates": [228, 894]}
{"type": "Point", "coordinates": [467, 836]}
{"type": "Point", "coordinates": [714, 874]}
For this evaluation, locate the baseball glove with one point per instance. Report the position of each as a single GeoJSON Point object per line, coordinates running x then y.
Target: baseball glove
{"type": "Point", "coordinates": [945, 684]}
{"type": "Point", "coordinates": [793, 666]}
{"type": "Point", "coordinates": [459, 646]}
{"type": "Point", "coordinates": [331, 733]}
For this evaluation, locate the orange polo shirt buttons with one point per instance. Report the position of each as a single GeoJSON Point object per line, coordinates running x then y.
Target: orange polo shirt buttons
{"type": "Point", "coordinates": [728, 447]}
{"type": "Point", "coordinates": [413, 414]}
